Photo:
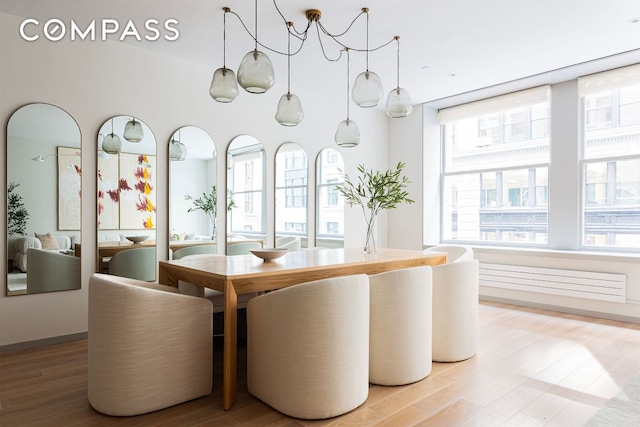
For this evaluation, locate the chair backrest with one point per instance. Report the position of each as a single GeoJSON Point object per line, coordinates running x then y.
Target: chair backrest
{"type": "Point", "coordinates": [195, 250]}
{"type": "Point", "coordinates": [52, 271]}
{"type": "Point", "coordinates": [455, 253]}
{"type": "Point", "coordinates": [292, 243]}
{"type": "Point", "coordinates": [242, 248]}
{"type": "Point", "coordinates": [136, 263]}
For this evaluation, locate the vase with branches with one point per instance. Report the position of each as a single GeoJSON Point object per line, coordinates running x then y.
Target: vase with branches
{"type": "Point", "coordinates": [208, 203]}
{"type": "Point", "coordinates": [374, 191]}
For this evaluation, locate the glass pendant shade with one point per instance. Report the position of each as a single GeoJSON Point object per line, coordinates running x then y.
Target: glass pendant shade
{"type": "Point", "coordinates": [224, 87]}
{"type": "Point", "coordinates": [111, 144]}
{"type": "Point", "coordinates": [348, 134]}
{"type": "Point", "coordinates": [133, 131]}
{"type": "Point", "coordinates": [398, 103]}
{"type": "Point", "coordinates": [177, 150]}
{"type": "Point", "coordinates": [367, 90]}
{"type": "Point", "coordinates": [255, 73]}
{"type": "Point", "coordinates": [289, 111]}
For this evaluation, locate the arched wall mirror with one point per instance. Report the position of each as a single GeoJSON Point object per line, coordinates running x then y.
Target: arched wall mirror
{"type": "Point", "coordinates": [246, 183]}
{"type": "Point", "coordinates": [292, 178]}
{"type": "Point", "coordinates": [43, 200]}
{"type": "Point", "coordinates": [330, 203]}
{"type": "Point", "coordinates": [193, 192]}
{"type": "Point", "coordinates": [127, 198]}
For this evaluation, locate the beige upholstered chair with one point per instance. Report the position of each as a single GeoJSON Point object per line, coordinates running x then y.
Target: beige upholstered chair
{"type": "Point", "coordinates": [195, 250]}
{"type": "Point", "coordinates": [149, 346]}
{"type": "Point", "coordinates": [292, 243]}
{"type": "Point", "coordinates": [52, 271]}
{"type": "Point", "coordinates": [242, 248]}
{"type": "Point", "coordinates": [308, 347]}
{"type": "Point", "coordinates": [400, 326]}
{"type": "Point", "coordinates": [135, 263]}
{"type": "Point", "coordinates": [455, 305]}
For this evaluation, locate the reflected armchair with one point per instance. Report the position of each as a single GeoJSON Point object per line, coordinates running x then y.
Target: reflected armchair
{"type": "Point", "coordinates": [136, 263]}
{"type": "Point", "coordinates": [52, 271]}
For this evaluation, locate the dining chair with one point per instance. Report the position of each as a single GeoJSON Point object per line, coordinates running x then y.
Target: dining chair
{"type": "Point", "coordinates": [195, 250]}
{"type": "Point", "coordinates": [308, 347]}
{"type": "Point", "coordinates": [292, 243]}
{"type": "Point", "coordinates": [135, 263]}
{"type": "Point", "coordinates": [400, 326]}
{"type": "Point", "coordinates": [149, 346]}
{"type": "Point", "coordinates": [455, 304]}
{"type": "Point", "coordinates": [242, 248]}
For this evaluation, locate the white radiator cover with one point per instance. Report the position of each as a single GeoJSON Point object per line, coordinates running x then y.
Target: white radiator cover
{"type": "Point", "coordinates": [582, 284]}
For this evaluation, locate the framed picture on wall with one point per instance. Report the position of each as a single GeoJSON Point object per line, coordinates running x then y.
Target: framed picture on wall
{"type": "Point", "coordinates": [69, 188]}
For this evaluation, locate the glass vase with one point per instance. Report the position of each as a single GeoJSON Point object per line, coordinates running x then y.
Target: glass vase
{"type": "Point", "coordinates": [214, 224]}
{"type": "Point", "coordinates": [370, 232]}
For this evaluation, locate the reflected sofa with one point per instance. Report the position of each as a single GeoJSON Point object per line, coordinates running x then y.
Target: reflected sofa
{"type": "Point", "coordinates": [23, 244]}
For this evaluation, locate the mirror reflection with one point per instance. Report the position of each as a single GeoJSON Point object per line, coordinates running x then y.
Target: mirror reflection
{"type": "Point", "coordinates": [291, 197]}
{"type": "Point", "coordinates": [330, 203]}
{"type": "Point", "coordinates": [43, 200]}
{"type": "Point", "coordinates": [246, 180]}
{"type": "Point", "coordinates": [193, 192]}
{"type": "Point", "coordinates": [127, 199]}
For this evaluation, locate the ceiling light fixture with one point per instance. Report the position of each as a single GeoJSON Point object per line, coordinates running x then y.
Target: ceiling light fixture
{"type": "Point", "coordinates": [177, 150]}
{"type": "Point", "coordinates": [111, 143]}
{"type": "Point", "coordinates": [256, 74]}
{"type": "Point", "coordinates": [133, 131]}
{"type": "Point", "coordinates": [348, 134]}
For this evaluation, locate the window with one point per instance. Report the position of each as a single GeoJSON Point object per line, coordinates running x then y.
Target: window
{"type": "Point", "coordinates": [495, 169]}
{"type": "Point", "coordinates": [611, 159]}
{"type": "Point", "coordinates": [330, 203]}
{"type": "Point", "coordinates": [291, 191]}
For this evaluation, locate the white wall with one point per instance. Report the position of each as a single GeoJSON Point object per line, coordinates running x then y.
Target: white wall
{"type": "Point", "coordinates": [93, 81]}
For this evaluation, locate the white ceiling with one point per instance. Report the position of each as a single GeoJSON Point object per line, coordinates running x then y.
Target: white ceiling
{"type": "Point", "coordinates": [447, 47]}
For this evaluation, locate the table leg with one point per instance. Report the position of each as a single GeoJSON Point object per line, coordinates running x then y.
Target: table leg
{"type": "Point", "coordinates": [230, 345]}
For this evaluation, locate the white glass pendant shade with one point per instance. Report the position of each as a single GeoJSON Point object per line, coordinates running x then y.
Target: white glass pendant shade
{"type": "Point", "coordinates": [348, 134]}
{"type": "Point", "coordinates": [224, 87]}
{"type": "Point", "coordinates": [133, 131]}
{"type": "Point", "coordinates": [367, 90]}
{"type": "Point", "coordinates": [111, 144]}
{"type": "Point", "coordinates": [177, 150]}
{"type": "Point", "coordinates": [255, 73]}
{"type": "Point", "coordinates": [399, 103]}
{"type": "Point", "coordinates": [289, 111]}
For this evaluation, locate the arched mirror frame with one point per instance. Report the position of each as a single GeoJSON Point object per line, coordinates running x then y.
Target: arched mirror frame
{"type": "Point", "coordinates": [193, 210]}
{"type": "Point", "coordinates": [126, 194]}
{"type": "Point", "coordinates": [330, 217]}
{"type": "Point", "coordinates": [48, 174]}
{"type": "Point", "coordinates": [291, 196]}
{"type": "Point", "coordinates": [244, 200]}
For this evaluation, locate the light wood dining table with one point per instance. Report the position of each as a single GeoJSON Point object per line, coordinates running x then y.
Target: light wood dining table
{"type": "Point", "coordinates": [242, 274]}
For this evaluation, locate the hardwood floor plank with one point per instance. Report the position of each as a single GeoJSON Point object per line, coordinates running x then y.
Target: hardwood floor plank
{"type": "Point", "coordinates": [533, 367]}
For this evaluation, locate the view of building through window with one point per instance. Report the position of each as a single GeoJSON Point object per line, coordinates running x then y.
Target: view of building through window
{"type": "Point", "coordinates": [329, 203]}
{"type": "Point", "coordinates": [292, 171]}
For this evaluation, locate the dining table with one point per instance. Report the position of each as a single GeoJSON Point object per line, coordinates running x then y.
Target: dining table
{"type": "Point", "coordinates": [241, 274]}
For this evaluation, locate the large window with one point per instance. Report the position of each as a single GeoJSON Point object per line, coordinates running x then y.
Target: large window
{"type": "Point", "coordinates": [330, 203]}
{"type": "Point", "coordinates": [291, 191]}
{"type": "Point", "coordinates": [611, 159]}
{"type": "Point", "coordinates": [495, 169]}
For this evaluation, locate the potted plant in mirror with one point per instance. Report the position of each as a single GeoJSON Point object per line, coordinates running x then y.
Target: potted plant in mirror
{"type": "Point", "coordinates": [374, 191]}
{"type": "Point", "coordinates": [208, 203]}
{"type": "Point", "coordinates": [17, 214]}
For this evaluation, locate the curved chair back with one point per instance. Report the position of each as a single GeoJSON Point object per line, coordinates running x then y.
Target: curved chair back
{"type": "Point", "coordinates": [319, 331]}
{"type": "Point", "coordinates": [292, 243]}
{"type": "Point", "coordinates": [136, 263]}
{"type": "Point", "coordinates": [242, 248]}
{"type": "Point", "coordinates": [400, 326]}
{"type": "Point", "coordinates": [149, 346]}
{"type": "Point", "coordinates": [52, 271]}
{"type": "Point", "coordinates": [455, 253]}
{"type": "Point", "coordinates": [195, 250]}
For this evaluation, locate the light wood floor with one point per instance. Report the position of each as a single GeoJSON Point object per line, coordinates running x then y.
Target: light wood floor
{"type": "Point", "coordinates": [533, 368]}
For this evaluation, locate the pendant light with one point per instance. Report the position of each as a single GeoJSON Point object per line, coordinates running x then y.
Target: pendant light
{"type": "Point", "coordinates": [398, 101]}
{"type": "Point", "coordinates": [111, 143]}
{"type": "Point", "coordinates": [133, 131]}
{"type": "Point", "coordinates": [367, 89]}
{"type": "Point", "coordinates": [224, 87]}
{"type": "Point", "coordinates": [289, 112]}
{"type": "Point", "coordinates": [348, 134]}
{"type": "Point", "coordinates": [177, 150]}
{"type": "Point", "coordinates": [255, 73]}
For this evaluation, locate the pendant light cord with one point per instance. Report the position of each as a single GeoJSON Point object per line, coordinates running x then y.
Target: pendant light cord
{"type": "Point", "coordinates": [289, 24]}
{"type": "Point", "coordinates": [256, 24]}
{"type": "Point", "coordinates": [347, 50]}
{"type": "Point", "coordinates": [224, 36]}
{"type": "Point", "coordinates": [398, 67]}
{"type": "Point", "coordinates": [366, 10]}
